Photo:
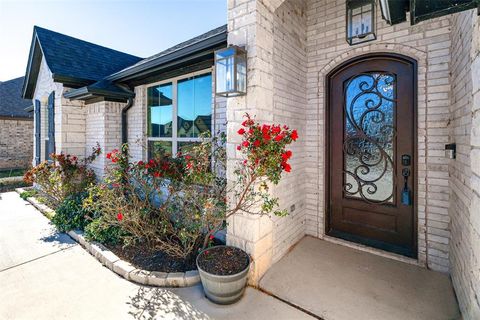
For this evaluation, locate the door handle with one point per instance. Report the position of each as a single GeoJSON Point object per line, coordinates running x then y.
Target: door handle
{"type": "Point", "coordinates": [406, 194]}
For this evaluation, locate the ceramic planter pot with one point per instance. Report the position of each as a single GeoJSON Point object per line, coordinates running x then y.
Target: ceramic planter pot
{"type": "Point", "coordinates": [223, 289]}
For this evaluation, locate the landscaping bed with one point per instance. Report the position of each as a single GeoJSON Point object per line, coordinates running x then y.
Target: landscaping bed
{"type": "Point", "coordinates": [155, 222]}
{"type": "Point", "coordinates": [147, 259]}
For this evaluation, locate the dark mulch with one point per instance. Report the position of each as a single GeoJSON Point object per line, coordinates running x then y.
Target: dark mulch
{"type": "Point", "coordinates": [149, 260]}
{"type": "Point", "coordinates": [223, 260]}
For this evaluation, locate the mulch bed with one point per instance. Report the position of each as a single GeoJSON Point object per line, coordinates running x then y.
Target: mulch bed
{"type": "Point", "coordinates": [146, 259]}
{"type": "Point", "coordinates": [223, 260]}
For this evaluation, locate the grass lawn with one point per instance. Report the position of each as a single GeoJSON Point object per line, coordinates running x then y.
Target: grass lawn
{"type": "Point", "coordinates": [12, 173]}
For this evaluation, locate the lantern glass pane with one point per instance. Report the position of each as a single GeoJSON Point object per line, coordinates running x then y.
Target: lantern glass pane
{"type": "Point", "coordinates": [229, 52]}
{"type": "Point", "coordinates": [241, 74]}
{"type": "Point", "coordinates": [360, 26]}
{"type": "Point", "coordinates": [224, 74]}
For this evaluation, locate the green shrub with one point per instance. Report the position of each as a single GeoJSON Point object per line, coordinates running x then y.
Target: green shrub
{"type": "Point", "coordinates": [27, 194]}
{"type": "Point", "coordinates": [102, 232]}
{"type": "Point", "coordinates": [71, 214]}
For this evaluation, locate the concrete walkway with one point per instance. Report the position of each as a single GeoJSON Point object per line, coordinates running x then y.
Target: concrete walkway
{"type": "Point", "coordinates": [339, 283]}
{"type": "Point", "coordinates": [46, 275]}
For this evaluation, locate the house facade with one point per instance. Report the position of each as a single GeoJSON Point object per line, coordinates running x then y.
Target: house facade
{"type": "Point", "coordinates": [299, 60]}
{"type": "Point", "coordinates": [16, 125]}
{"type": "Point", "coordinates": [370, 169]}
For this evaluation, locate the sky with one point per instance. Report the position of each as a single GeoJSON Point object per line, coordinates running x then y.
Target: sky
{"type": "Point", "coordinates": [138, 27]}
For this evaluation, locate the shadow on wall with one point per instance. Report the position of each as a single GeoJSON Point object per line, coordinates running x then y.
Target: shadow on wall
{"type": "Point", "coordinates": [158, 303]}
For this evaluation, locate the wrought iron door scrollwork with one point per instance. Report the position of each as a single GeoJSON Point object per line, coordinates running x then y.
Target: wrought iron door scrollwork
{"type": "Point", "coordinates": [369, 137]}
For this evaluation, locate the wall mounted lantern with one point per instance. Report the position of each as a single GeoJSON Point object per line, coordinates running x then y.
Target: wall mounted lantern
{"type": "Point", "coordinates": [360, 21]}
{"type": "Point", "coordinates": [231, 72]}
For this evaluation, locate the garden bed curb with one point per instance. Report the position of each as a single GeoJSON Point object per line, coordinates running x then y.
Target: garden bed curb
{"type": "Point", "coordinates": [44, 209]}
{"type": "Point", "coordinates": [122, 267]}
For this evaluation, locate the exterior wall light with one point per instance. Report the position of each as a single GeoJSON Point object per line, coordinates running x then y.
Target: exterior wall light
{"type": "Point", "coordinates": [360, 21]}
{"type": "Point", "coordinates": [231, 72]}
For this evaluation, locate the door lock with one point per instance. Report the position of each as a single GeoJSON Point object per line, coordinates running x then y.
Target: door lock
{"type": "Point", "coordinates": [406, 160]}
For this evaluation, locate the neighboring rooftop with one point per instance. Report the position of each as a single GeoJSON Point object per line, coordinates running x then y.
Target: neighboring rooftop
{"type": "Point", "coordinates": [11, 102]}
{"type": "Point", "coordinates": [71, 60]}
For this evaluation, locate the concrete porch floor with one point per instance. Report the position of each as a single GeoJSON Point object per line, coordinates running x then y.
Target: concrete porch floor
{"type": "Point", "coordinates": [335, 282]}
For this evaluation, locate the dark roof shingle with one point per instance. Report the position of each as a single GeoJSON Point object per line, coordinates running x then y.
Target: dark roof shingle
{"type": "Point", "coordinates": [11, 102]}
{"type": "Point", "coordinates": [72, 57]}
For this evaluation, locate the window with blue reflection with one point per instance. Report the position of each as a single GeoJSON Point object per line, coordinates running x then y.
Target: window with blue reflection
{"type": "Point", "coordinates": [160, 102]}
{"type": "Point", "coordinates": [194, 103]}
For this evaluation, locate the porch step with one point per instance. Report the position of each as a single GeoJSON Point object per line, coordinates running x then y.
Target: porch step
{"type": "Point", "coordinates": [335, 282]}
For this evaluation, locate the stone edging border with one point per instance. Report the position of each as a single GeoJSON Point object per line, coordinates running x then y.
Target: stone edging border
{"type": "Point", "coordinates": [122, 267]}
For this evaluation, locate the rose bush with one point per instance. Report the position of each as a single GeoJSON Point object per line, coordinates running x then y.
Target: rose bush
{"type": "Point", "coordinates": [176, 205]}
{"type": "Point", "coordinates": [65, 175]}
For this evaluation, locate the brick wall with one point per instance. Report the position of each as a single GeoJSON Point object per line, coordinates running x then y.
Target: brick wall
{"type": "Point", "coordinates": [16, 143]}
{"type": "Point", "coordinates": [69, 116]}
{"type": "Point", "coordinates": [465, 169]}
{"type": "Point", "coordinates": [290, 104]}
{"type": "Point", "coordinates": [137, 124]}
{"type": "Point", "coordinates": [103, 126]}
{"type": "Point", "coordinates": [429, 43]}
{"type": "Point", "coordinates": [43, 88]}
{"type": "Point", "coordinates": [271, 31]}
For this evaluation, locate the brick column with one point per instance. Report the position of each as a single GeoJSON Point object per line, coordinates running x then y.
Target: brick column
{"type": "Point", "coordinates": [250, 24]}
{"type": "Point", "coordinates": [103, 125]}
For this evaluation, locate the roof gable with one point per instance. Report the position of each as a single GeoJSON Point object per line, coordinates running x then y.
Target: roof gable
{"type": "Point", "coordinates": [11, 102]}
{"type": "Point", "coordinates": [72, 61]}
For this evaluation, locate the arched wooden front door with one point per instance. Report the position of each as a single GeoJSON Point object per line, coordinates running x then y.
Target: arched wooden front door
{"type": "Point", "coordinates": [371, 170]}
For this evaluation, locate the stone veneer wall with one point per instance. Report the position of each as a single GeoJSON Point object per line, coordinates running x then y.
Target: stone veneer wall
{"type": "Point", "coordinates": [465, 169]}
{"type": "Point", "coordinates": [427, 42]}
{"type": "Point", "coordinates": [16, 142]}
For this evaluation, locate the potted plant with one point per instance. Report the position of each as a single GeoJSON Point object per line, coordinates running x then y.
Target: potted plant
{"type": "Point", "coordinates": [224, 269]}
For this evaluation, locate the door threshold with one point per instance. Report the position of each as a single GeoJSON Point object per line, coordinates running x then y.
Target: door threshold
{"type": "Point", "coordinates": [374, 251]}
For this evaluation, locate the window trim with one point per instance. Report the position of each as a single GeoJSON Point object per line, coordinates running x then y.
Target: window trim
{"type": "Point", "coordinates": [174, 139]}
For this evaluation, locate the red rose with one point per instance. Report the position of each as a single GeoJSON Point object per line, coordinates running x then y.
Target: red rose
{"type": "Point", "coordinates": [279, 137]}
{"type": "Point", "coordinates": [211, 237]}
{"type": "Point", "coordinates": [189, 165]}
{"type": "Point", "coordinates": [156, 174]}
{"type": "Point", "coordinates": [188, 157]}
{"type": "Point", "coordinates": [109, 155]}
{"type": "Point", "coordinates": [140, 163]}
{"type": "Point", "coordinates": [286, 155]}
{"type": "Point", "coordinates": [286, 167]}
{"type": "Point", "coordinates": [239, 147]}
{"type": "Point", "coordinates": [294, 135]}
{"type": "Point", "coordinates": [276, 129]}
{"type": "Point", "coordinates": [241, 131]}
{"type": "Point", "coordinates": [265, 128]}
{"type": "Point", "coordinates": [256, 143]}
{"type": "Point", "coordinates": [245, 144]}
{"type": "Point", "coordinates": [119, 216]}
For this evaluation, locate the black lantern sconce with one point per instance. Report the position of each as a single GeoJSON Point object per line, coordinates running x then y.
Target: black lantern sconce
{"type": "Point", "coordinates": [451, 151]}
{"type": "Point", "coordinates": [360, 21]}
{"type": "Point", "coordinates": [231, 72]}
